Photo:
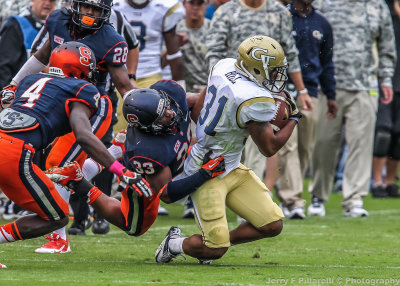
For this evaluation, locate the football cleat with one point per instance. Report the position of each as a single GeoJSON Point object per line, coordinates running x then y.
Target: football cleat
{"type": "Point", "coordinates": [63, 175]}
{"type": "Point", "coordinates": [316, 208]}
{"type": "Point", "coordinates": [163, 253]}
{"type": "Point", "coordinates": [2, 266]}
{"type": "Point", "coordinates": [162, 210]}
{"type": "Point", "coordinates": [55, 245]}
{"type": "Point", "coordinates": [357, 211]}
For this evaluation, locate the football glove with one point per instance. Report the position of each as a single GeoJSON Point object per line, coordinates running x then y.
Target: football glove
{"type": "Point", "coordinates": [212, 167]}
{"type": "Point", "coordinates": [66, 175]}
{"type": "Point", "coordinates": [294, 111]}
{"type": "Point", "coordinates": [119, 139]}
{"type": "Point", "coordinates": [7, 95]}
{"type": "Point", "coordinates": [134, 180]}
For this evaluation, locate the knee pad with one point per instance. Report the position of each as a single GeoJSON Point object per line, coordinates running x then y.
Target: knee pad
{"type": "Point", "coordinates": [394, 151]}
{"type": "Point", "coordinates": [381, 142]}
{"type": "Point", "coordinates": [218, 237]}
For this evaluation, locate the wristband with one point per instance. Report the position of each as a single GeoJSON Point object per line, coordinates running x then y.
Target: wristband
{"type": "Point", "coordinates": [303, 91]}
{"type": "Point", "coordinates": [116, 168]}
{"type": "Point", "coordinates": [294, 118]}
{"type": "Point", "coordinates": [131, 75]}
{"type": "Point", "coordinates": [178, 54]}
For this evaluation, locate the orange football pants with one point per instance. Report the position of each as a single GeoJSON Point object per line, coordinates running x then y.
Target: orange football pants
{"type": "Point", "coordinates": [25, 183]}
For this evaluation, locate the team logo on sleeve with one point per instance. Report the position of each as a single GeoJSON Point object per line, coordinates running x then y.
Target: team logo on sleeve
{"type": "Point", "coordinates": [96, 99]}
{"type": "Point", "coordinates": [177, 145]}
{"type": "Point", "coordinates": [58, 40]}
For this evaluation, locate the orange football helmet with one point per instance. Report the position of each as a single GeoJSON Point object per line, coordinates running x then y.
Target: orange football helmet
{"type": "Point", "coordinates": [74, 59]}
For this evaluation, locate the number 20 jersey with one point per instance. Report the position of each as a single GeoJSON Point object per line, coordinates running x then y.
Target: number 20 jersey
{"type": "Point", "coordinates": [231, 102]}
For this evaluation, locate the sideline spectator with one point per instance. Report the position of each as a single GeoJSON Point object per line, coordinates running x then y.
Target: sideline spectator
{"type": "Point", "coordinates": [357, 25]}
{"type": "Point", "coordinates": [314, 40]}
{"type": "Point", "coordinates": [387, 130]}
{"type": "Point", "coordinates": [17, 36]}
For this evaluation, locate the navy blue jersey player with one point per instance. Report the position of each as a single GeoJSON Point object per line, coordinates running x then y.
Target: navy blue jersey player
{"type": "Point", "coordinates": [156, 146]}
{"type": "Point", "coordinates": [169, 147]}
{"type": "Point", "coordinates": [47, 106]}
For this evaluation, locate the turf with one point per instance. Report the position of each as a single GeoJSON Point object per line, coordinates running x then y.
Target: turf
{"type": "Point", "coordinates": [333, 250]}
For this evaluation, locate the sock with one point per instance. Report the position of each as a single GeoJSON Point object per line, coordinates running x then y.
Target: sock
{"type": "Point", "coordinates": [61, 232]}
{"type": "Point", "coordinates": [90, 169]}
{"type": "Point", "coordinates": [94, 193]}
{"type": "Point", "coordinates": [64, 193]}
{"type": "Point", "coordinates": [9, 233]}
{"type": "Point", "coordinates": [175, 245]}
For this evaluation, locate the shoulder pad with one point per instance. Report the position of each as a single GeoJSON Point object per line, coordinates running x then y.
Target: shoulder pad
{"type": "Point", "coordinates": [66, 11]}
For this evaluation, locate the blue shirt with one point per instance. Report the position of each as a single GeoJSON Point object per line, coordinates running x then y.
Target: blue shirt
{"type": "Point", "coordinates": [314, 40]}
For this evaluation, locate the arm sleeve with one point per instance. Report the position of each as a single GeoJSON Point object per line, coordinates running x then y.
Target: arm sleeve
{"type": "Point", "coordinates": [179, 189]}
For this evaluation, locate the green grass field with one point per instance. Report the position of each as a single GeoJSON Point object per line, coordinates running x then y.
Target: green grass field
{"type": "Point", "coordinates": [333, 250]}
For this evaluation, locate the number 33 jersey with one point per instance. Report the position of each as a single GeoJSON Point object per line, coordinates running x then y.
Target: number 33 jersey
{"type": "Point", "coordinates": [40, 111]}
{"type": "Point", "coordinates": [231, 102]}
{"type": "Point", "coordinates": [147, 153]}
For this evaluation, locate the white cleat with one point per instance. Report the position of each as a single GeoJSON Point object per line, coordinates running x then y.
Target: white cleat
{"type": "Point", "coordinates": [163, 253]}
{"type": "Point", "coordinates": [357, 211]}
{"type": "Point", "coordinates": [316, 208]}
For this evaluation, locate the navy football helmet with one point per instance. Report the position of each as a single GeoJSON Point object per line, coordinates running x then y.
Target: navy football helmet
{"type": "Point", "coordinates": [144, 108]}
{"type": "Point", "coordinates": [91, 22]}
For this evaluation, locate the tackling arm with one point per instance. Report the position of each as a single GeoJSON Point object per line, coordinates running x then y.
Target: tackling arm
{"type": "Point", "coordinates": [174, 55]}
{"type": "Point", "coordinates": [80, 124]}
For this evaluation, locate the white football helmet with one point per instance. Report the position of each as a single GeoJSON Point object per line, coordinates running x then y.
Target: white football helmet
{"type": "Point", "coordinates": [262, 60]}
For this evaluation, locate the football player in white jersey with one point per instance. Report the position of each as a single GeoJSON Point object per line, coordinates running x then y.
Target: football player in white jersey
{"type": "Point", "coordinates": [238, 103]}
{"type": "Point", "coordinates": [153, 21]}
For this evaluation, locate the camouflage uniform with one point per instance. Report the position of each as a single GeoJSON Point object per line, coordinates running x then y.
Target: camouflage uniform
{"type": "Point", "coordinates": [11, 7]}
{"type": "Point", "coordinates": [234, 22]}
{"type": "Point", "coordinates": [357, 25]}
{"type": "Point", "coordinates": [194, 53]}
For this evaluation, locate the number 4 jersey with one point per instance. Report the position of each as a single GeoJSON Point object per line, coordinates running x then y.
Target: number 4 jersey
{"type": "Point", "coordinates": [231, 102]}
{"type": "Point", "coordinates": [40, 111]}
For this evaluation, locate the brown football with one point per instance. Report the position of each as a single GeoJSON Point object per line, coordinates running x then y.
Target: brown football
{"type": "Point", "coordinates": [281, 117]}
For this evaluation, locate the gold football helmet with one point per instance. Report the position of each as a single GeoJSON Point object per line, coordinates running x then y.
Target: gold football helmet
{"type": "Point", "coordinates": [261, 59]}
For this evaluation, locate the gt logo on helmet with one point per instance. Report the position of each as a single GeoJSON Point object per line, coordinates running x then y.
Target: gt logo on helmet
{"type": "Point", "coordinates": [264, 57]}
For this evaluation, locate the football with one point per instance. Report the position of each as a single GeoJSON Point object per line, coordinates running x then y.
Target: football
{"type": "Point", "coordinates": [281, 117]}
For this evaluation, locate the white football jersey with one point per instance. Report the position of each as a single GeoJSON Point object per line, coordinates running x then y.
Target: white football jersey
{"type": "Point", "coordinates": [231, 102]}
{"type": "Point", "coordinates": [149, 23]}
